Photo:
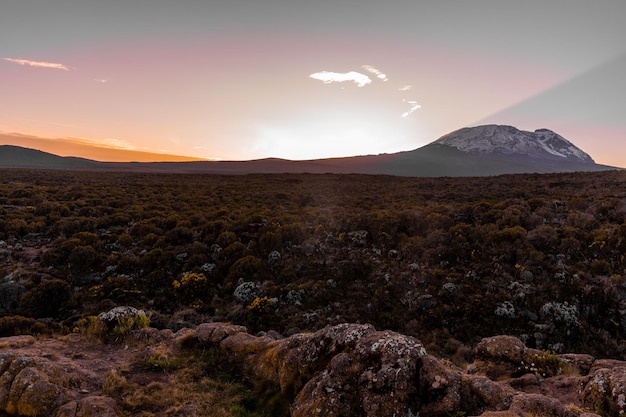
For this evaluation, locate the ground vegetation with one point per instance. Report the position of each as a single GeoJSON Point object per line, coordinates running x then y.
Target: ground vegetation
{"type": "Point", "coordinates": [448, 260]}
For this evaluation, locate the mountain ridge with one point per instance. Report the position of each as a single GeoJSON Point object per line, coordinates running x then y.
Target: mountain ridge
{"type": "Point", "coordinates": [486, 150]}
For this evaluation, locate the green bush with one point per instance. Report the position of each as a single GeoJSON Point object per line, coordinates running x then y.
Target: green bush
{"type": "Point", "coordinates": [125, 325]}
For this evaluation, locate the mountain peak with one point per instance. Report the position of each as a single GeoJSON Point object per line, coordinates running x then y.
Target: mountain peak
{"type": "Point", "coordinates": [508, 140]}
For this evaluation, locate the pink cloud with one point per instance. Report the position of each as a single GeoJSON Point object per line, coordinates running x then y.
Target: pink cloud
{"type": "Point", "coordinates": [38, 64]}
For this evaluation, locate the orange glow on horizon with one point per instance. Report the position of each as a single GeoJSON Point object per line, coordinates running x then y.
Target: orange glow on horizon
{"type": "Point", "coordinates": [89, 150]}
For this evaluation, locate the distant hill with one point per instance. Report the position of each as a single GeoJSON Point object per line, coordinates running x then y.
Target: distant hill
{"type": "Point", "coordinates": [474, 151]}
{"type": "Point", "coordinates": [19, 157]}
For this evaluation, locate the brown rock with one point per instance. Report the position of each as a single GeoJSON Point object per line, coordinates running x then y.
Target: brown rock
{"type": "Point", "coordinates": [501, 348]}
{"type": "Point", "coordinates": [331, 371]}
{"type": "Point", "coordinates": [539, 405]}
{"type": "Point", "coordinates": [564, 388]}
{"type": "Point", "coordinates": [152, 335]}
{"type": "Point", "coordinates": [68, 409]}
{"type": "Point", "coordinates": [605, 389]}
{"type": "Point", "coordinates": [295, 360]}
{"type": "Point", "coordinates": [606, 364]}
{"type": "Point", "coordinates": [93, 406]}
{"type": "Point", "coordinates": [391, 372]}
{"type": "Point", "coordinates": [32, 394]}
{"type": "Point", "coordinates": [243, 345]}
{"type": "Point", "coordinates": [378, 377]}
{"type": "Point", "coordinates": [499, 357]}
{"type": "Point", "coordinates": [214, 333]}
{"type": "Point", "coordinates": [330, 393]}
{"type": "Point", "coordinates": [439, 387]}
{"type": "Point", "coordinates": [528, 383]}
{"type": "Point", "coordinates": [480, 394]}
{"type": "Point", "coordinates": [579, 362]}
{"type": "Point", "coordinates": [38, 385]}
{"type": "Point", "coordinates": [12, 366]}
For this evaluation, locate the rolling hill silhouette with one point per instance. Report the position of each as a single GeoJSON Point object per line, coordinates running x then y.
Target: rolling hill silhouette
{"type": "Point", "coordinates": [476, 151]}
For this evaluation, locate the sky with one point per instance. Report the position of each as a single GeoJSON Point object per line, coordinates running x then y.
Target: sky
{"type": "Point", "coordinates": [241, 79]}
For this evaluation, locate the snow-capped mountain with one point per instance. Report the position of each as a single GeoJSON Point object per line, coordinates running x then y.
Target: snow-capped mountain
{"type": "Point", "coordinates": [491, 150]}
{"type": "Point", "coordinates": [508, 140]}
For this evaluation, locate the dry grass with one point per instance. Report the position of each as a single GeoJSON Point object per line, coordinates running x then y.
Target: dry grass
{"type": "Point", "coordinates": [182, 392]}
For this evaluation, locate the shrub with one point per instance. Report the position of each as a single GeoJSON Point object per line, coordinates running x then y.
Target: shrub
{"type": "Point", "coordinates": [91, 326]}
{"type": "Point", "coordinates": [18, 325]}
{"type": "Point", "coordinates": [120, 321]}
{"type": "Point", "coordinates": [600, 267]}
{"type": "Point", "coordinates": [248, 267]}
{"type": "Point", "coordinates": [127, 324]}
{"type": "Point", "coordinates": [48, 299]}
{"type": "Point", "coordinates": [560, 313]}
{"type": "Point", "coordinates": [543, 366]}
{"type": "Point", "coordinates": [115, 384]}
{"type": "Point", "coordinates": [161, 362]}
{"type": "Point", "coordinates": [261, 305]}
{"type": "Point", "coordinates": [83, 259]}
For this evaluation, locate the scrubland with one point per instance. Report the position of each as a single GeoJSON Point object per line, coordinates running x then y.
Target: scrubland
{"type": "Point", "coordinates": [447, 260]}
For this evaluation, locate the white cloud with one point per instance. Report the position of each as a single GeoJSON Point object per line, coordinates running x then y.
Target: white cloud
{"type": "Point", "coordinates": [379, 74]}
{"type": "Point", "coordinates": [414, 106]}
{"type": "Point", "coordinates": [332, 77]}
{"type": "Point", "coordinates": [38, 64]}
{"type": "Point", "coordinates": [362, 80]}
{"type": "Point", "coordinates": [101, 80]}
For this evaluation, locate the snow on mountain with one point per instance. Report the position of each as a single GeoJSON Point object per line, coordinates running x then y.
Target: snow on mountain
{"type": "Point", "coordinates": [508, 140]}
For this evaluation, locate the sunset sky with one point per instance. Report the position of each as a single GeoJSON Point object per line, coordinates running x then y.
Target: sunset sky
{"type": "Point", "coordinates": [238, 80]}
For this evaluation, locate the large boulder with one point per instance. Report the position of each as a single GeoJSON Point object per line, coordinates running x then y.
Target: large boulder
{"type": "Point", "coordinates": [338, 370]}
{"type": "Point", "coordinates": [31, 386]}
{"type": "Point", "coordinates": [499, 356]}
{"type": "Point", "coordinates": [605, 389]}
{"type": "Point", "coordinates": [32, 393]}
{"type": "Point", "coordinates": [379, 376]}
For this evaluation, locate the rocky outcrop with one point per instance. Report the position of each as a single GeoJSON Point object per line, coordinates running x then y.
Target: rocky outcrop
{"type": "Point", "coordinates": [605, 388]}
{"type": "Point", "coordinates": [36, 381]}
{"type": "Point", "coordinates": [36, 386]}
{"type": "Point", "coordinates": [343, 370]}
{"type": "Point", "coordinates": [355, 370]}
